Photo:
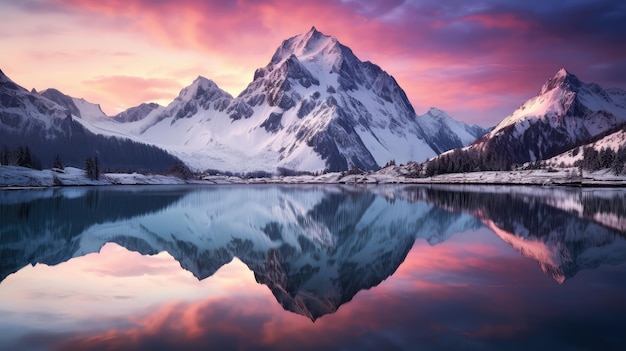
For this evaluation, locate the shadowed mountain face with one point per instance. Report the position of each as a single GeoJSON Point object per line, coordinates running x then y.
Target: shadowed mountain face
{"type": "Point", "coordinates": [314, 247]}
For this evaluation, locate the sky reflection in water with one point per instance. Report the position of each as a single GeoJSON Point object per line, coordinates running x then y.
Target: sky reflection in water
{"type": "Point", "coordinates": [468, 290]}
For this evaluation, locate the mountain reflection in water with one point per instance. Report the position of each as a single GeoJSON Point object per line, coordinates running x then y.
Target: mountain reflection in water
{"type": "Point", "coordinates": [314, 247]}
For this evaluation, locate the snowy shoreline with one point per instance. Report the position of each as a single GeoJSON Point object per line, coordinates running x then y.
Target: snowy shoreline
{"type": "Point", "coordinates": [13, 177]}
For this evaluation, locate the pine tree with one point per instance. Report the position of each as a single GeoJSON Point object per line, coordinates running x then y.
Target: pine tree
{"type": "Point", "coordinates": [57, 162]}
{"type": "Point", "coordinates": [179, 169]}
{"type": "Point", "coordinates": [96, 168]}
{"type": "Point", "coordinates": [4, 156]}
{"type": "Point", "coordinates": [19, 153]}
{"type": "Point", "coordinates": [23, 157]}
{"type": "Point", "coordinates": [619, 161]}
{"type": "Point", "coordinates": [89, 167]}
{"type": "Point", "coordinates": [606, 157]}
{"type": "Point", "coordinates": [28, 161]}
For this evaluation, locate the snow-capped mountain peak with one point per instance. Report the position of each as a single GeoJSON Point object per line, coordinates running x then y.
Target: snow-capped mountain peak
{"type": "Point", "coordinates": [442, 130]}
{"type": "Point", "coordinates": [438, 114]}
{"type": "Point", "coordinates": [562, 79]}
{"type": "Point", "coordinates": [196, 97]}
{"type": "Point", "coordinates": [202, 88]}
{"type": "Point", "coordinates": [306, 47]}
{"type": "Point", "coordinates": [61, 99]}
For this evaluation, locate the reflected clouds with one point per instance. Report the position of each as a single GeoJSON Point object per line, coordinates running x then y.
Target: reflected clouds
{"type": "Point", "coordinates": [472, 315]}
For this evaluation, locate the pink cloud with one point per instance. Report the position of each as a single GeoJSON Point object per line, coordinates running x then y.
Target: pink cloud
{"type": "Point", "coordinates": [501, 21]}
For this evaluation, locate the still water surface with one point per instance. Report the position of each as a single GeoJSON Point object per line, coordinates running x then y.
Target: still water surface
{"type": "Point", "coordinates": [312, 267]}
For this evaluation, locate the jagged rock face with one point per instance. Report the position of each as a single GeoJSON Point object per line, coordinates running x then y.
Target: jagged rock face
{"type": "Point", "coordinates": [25, 113]}
{"type": "Point", "coordinates": [566, 113]}
{"type": "Point", "coordinates": [15, 100]}
{"type": "Point", "coordinates": [315, 78]}
{"type": "Point", "coordinates": [61, 99]}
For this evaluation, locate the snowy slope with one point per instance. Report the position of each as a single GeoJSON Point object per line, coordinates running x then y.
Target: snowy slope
{"type": "Point", "coordinates": [92, 118]}
{"type": "Point", "coordinates": [78, 107]}
{"type": "Point", "coordinates": [567, 112]}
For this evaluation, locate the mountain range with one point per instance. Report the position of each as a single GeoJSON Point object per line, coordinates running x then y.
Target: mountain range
{"type": "Point", "coordinates": [314, 107]}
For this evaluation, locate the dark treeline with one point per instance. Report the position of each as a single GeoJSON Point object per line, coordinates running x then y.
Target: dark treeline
{"type": "Point", "coordinates": [20, 156]}
{"type": "Point", "coordinates": [593, 205]}
{"type": "Point", "coordinates": [594, 160]}
{"type": "Point", "coordinates": [536, 212]}
{"type": "Point", "coordinates": [92, 167]}
{"type": "Point", "coordinates": [74, 144]}
{"type": "Point", "coordinates": [468, 160]}
{"type": "Point", "coordinates": [473, 160]}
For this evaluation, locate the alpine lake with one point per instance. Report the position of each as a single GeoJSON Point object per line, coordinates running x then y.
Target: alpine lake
{"type": "Point", "coordinates": [313, 267]}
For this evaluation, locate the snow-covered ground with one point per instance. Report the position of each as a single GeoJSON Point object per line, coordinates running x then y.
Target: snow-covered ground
{"type": "Point", "coordinates": [529, 177]}
{"type": "Point", "coordinates": [557, 176]}
{"type": "Point", "coordinates": [12, 176]}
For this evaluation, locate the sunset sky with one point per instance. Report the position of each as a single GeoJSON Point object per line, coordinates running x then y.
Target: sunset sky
{"type": "Point", "coordinates": [476, 60]}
